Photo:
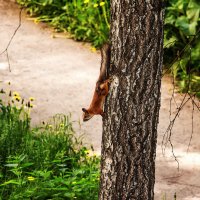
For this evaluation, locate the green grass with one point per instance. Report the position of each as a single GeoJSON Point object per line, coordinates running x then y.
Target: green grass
{"type": "Point", "coordinates": [47, 162]}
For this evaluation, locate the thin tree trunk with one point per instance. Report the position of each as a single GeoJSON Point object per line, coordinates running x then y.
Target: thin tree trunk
{"type": "Point", "coordinates": [132, 106]}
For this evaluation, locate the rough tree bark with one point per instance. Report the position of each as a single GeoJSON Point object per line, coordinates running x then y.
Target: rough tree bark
{"type": "Point", "coordinates": [132, 106]}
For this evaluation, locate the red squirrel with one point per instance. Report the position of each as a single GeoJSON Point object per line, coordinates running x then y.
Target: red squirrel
{"type": "Point", "coordinates": [101, 88]}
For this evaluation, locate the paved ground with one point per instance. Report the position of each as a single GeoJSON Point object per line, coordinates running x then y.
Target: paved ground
{"type": "Point", "coordinates": [61, 73]}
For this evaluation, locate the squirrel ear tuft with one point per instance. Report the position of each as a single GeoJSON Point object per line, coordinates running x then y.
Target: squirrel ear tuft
{"type": "Point", "coordinates": [84, 110]}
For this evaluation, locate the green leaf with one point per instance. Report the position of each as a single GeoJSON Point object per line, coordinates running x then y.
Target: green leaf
{"type": "Point", "coordinates": [196, 79]}
{"type": "Point", "coordinates": [168, 42]}
{"type": "Point", "coordinates": [175, 69]}
{"type": "Point", "coordinates": [183, 64]}
{"type": "Point", "coordinates": [183, 23]}
{"type": "Point", "coordinates": [24, 165]}
{"type": "Point", "coordinates": [11, 182]}
{"type": "Point", "coordinates": [196, 52]}
{"type": "Point", "coordinates": [70, 195]}
{"type": "Point", "coordinates": [193, 11]}
{"type": "Point", "coordinates": [12, 165]}
{"type": "Point", "coordinates": [192, 28]}
{"type": "Point", "coordinates": [170, 19]}
{"type": "Point", "coordinates": [193, 14]}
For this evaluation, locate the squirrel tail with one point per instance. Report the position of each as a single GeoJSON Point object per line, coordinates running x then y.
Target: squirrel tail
{"type": "Point", "coordinates": [105, 62]}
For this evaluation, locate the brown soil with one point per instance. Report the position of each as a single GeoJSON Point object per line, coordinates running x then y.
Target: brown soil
{"type": "Point", "coordinates": [61, 73]}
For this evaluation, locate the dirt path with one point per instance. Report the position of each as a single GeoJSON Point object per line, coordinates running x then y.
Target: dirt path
{"type": "Point", "coordinates": [61, 74]}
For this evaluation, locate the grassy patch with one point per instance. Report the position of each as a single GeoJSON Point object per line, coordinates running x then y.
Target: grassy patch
{"type": "Point", "coordinates": [48, 162]}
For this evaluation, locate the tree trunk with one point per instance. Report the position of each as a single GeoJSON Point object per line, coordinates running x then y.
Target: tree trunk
{"type": "Point", "coordinates": [132, 106]}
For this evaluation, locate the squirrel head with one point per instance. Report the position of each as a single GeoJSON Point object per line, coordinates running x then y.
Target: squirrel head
{"type": "Point", "coordinates": [86, 115]}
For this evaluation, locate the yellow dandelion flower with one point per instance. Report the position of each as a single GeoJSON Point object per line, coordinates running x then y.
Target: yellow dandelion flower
{"type": "Point", "coordinates": [95, 155]}
{"type": "Point", "coordinates": [96, 5]}
{"type": "Point", "coordinates": [86, 1]}
{"type": "Point", "coordinates": [87, 151]}
{"type": "Point", "coordinates": [93, 49]}
{"type": "Point", "coordinates": [30, 178]}
{"type": "Point", "coordinates": [17, 98]}
{"type": "Point", "coordinates": [16, 93]}
{"type": "Point", "coordinates": [31, 98]}
{"type": "Point", "coordinates": [62, 125]}
{"type": "Point", "coordinates": [50, 126]}
{"type": "Point", "coordinates": [31, 105]}
{"type": "Point", "coordinates": [36, 21]}
{"type": "Point", "coordinates": [102, 3]}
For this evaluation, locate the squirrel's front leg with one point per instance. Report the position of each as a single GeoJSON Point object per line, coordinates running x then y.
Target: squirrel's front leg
{"type": "Point", "coordinates": [103, 88]}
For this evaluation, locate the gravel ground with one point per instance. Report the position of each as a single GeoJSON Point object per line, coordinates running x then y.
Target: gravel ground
{"type": "Point", "coordinates": [61, 73]}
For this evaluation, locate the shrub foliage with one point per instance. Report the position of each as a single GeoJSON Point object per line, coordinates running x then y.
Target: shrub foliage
{"type": "Point", "coordinates": [85, 20]}
{"type": "Point", "coordinates": [182, 32]}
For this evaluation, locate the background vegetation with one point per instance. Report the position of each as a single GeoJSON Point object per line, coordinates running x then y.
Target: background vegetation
{"type": "Point", "coordinates": [88, 20]}
{"type": "Point", "coordinates": [47, 162]}
{"type": "Point", "coordinates": [85, 20]}
{"type": "Point", "coordinates": [182, 40]}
